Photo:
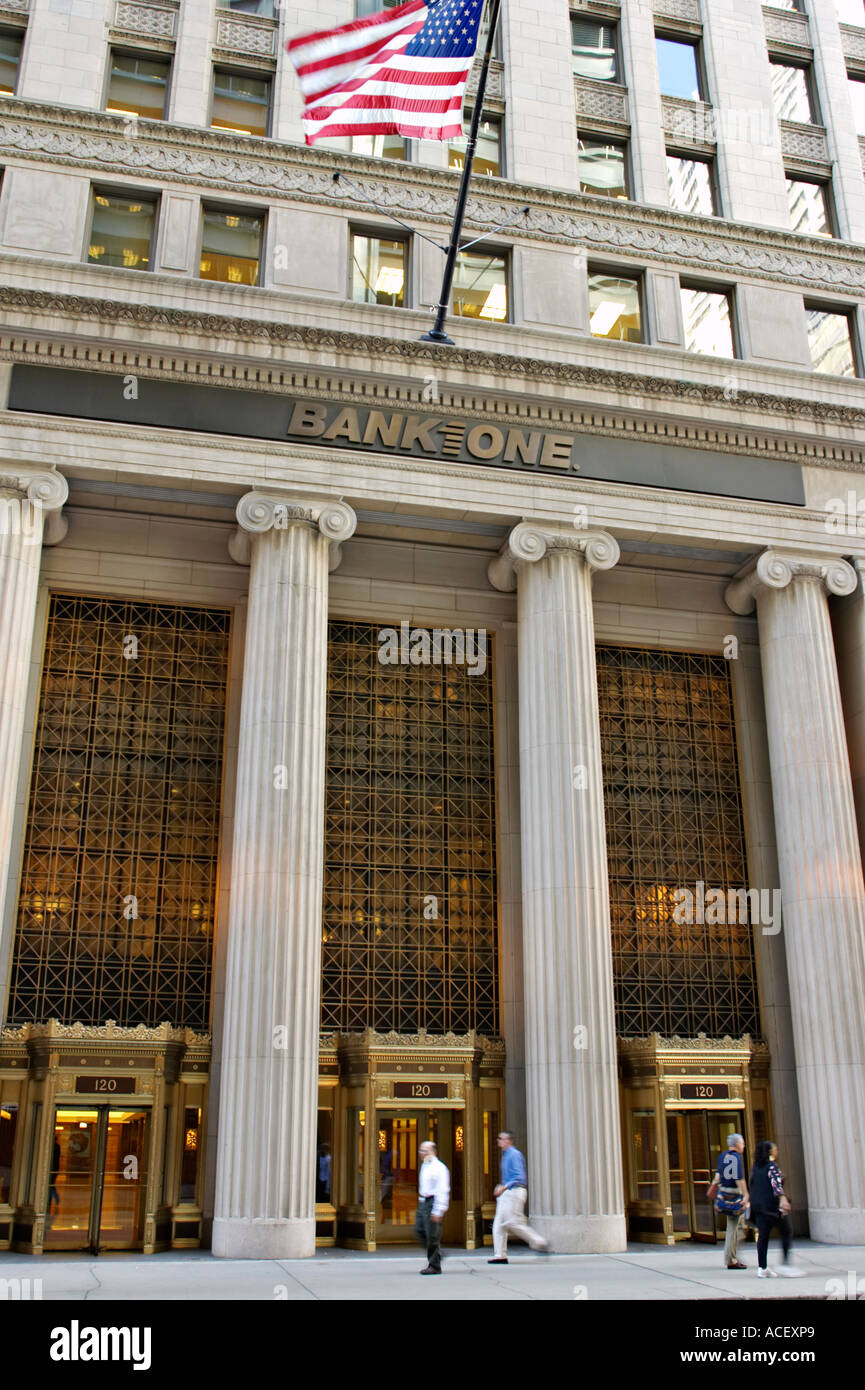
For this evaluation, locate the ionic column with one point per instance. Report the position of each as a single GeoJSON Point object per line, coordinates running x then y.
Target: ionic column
{"type": "Point", "coordinates": [822, 892]}
{"type": "Point", "coordinates": [265, 1181]}
{"type": "Point", "coordinates": [29, 517]}
{"type": "Point", "coordinates": [572, 1097]}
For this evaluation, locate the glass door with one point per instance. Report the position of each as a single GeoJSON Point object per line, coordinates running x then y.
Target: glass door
{"type": "Point", "coordinates": [695, 1140]}
{"type": "Point", "coordinates": [98, 1180]}
{"type": "Point", "coordinates": [677, 1151]}
{"type": "Point", "coordinates": [700, 1176]}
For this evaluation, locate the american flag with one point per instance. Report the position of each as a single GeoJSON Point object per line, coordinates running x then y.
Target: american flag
{"type": "Point", "coordinates": [401, 72]}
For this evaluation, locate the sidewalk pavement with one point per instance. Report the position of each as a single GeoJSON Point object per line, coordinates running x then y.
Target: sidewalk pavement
{"type": "Point", "coordinates": [671, 1273]}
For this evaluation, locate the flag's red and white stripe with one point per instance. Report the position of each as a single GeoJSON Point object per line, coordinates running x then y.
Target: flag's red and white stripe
{"type": "Point", "coordinates": [357, 80]}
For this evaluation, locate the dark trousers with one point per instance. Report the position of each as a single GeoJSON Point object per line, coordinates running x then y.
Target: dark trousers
{"type": "Point", "coordinates": [765, 1221]}
{"type": "Point", "coordinates": [429, 1232]}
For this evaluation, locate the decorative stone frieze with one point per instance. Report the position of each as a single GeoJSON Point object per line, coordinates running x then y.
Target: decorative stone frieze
{"type": "Point", "coordinates": [246, 34]}
{"type": "Point", "coordinates": [140, 18]}
{"type": "Point", "coordinates": [601, 101]}
{"type": "Point", "coordinates": [786, 27]}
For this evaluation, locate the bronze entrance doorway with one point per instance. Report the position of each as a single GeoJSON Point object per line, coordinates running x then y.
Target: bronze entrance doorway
{"type": "Point", "coordinates": [400, 1135]}
{"type": "Point", "coordinates": [98, 1179]}
{"type": "Point", "coordinates": [695, 1141]}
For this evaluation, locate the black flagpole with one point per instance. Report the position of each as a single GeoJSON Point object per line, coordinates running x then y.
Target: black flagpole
{"type": "Point", "coordinates": [437, 333]}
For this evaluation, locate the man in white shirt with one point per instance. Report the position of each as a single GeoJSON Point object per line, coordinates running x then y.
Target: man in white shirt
{"type": "Point", "coordinates": [434, 1194]}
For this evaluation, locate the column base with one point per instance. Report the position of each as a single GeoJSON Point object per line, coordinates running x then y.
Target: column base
{"type": "Point", "coordinates": [842, 1226]}
{"type": "Point", "coordinates": [582, 1235]}
{"type": "Point", "coordinates": [242, 1238]}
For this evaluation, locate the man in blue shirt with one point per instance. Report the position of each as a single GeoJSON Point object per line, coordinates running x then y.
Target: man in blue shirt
{"type": "Point", "coordinates": [511, 1196]}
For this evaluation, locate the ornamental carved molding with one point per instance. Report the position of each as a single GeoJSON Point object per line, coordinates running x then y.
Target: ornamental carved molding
{"type": "Point", "coordinates": [260, 513]}
{"type": "Point", "coordinates": [53, 1031]}
{"type": "Point", "coordinates": [280, 170]}
{"type": "Point", "coordinates": [777, 569]}
{"type": "Point", "coordinates": [436, 1042]}
{"type": "Point", "coordinates": [530, 542]}
{"type": "Point", "coordinates": [406, 353]}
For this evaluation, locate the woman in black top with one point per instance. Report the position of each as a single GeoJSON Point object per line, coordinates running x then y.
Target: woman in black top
{"type": "Point", "coordinates": [770, 1207]}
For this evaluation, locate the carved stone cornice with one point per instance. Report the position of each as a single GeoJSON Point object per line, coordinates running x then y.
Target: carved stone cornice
{"type": "Point", "coordinates": [260, 512]}
{"type": "Point", "coordinates": [53, 1031]}
{"type": "Point", "coordinates": [529, 542]}
{"type": "Point", "coordinates": [113, 356]}
{"type": "Point", "coordinates": [777, 568]}
{"type": "Point", "coordinates": [271, 169]}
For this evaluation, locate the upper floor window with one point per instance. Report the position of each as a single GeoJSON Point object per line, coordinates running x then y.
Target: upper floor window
{"type": "Point", "coordinates": [241, 102]}
{"type": "Point", "coordinates": [615, 306]}
{"type": "Point", "coordinates": [708, 321]}
{"type": "Point", "coordinates": [851, 11]}
{"type": "Point", "coordinates": [362, 8]}
{"type": "Point", "coordinates": [690, 186]}
{"type": "Point", "coordinates": [593, 48]}
{"type": "Point", "coordinates": [791, 92]}
{"type": "Point", "coordinates": [11, 43]}
{"type": "Point", "coordinates": [603, 166]}
{"type": "Point", "coordinates": [488, 151]}
{"type": "Point", "coordinates": [678, 68]}
{"type": "Point", "coordinates": [231, 246]}
{"type": "Point", "coordinates": [260, 7]}
{"type": "Point", "coordinates": [121, 230]}
{"type": "Point", "coordinates": [379, 146]}
{"type": "Point", "coordinates": [138, 86]}
{"type": "Point", "coordinates": [831, 342]}
{"type": "Point", "coordinates": [809, 207]}
{"type": "Point", "coordinates": [378, 267]}
{"type": "Point", "coordinates": [785, 4]}
{"type": "Point", "coordinates": [856, 87]}
{"type": "Point", "coordinates": [481, 286]}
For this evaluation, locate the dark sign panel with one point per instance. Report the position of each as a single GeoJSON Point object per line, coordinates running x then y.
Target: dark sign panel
{"type": "Point", "coordinates": [704, 1090]}
{"type": "Point", "coordinates": [421, 1090]}
{"type": "Point", "coordinates": [105, 1085]}
{"type": "Point", "coordinates": [523, 445]}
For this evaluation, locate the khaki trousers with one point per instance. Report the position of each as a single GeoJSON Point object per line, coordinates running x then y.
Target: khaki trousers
{"type": "Point", "coordinates": [511, 1219]}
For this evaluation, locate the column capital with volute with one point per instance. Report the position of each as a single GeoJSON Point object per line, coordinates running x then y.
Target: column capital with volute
{"type": "Point", "coordinates": [47, 491]}
{"type": "Point", "coordinates": [530, 541]}
{"type": "Point", "coordinates": [776, 568]}
{"type": "Point", "coordinates": [261, 511]}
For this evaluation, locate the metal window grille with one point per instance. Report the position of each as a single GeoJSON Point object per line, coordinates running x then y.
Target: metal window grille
{"type": "Point", "coordinates": [409, 928]}
{"type": "Point", "coordinates": [115, 918]}
{"type": "Point", "coordinates": [674, 819]}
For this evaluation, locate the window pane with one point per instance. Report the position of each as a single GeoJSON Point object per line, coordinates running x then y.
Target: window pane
{"type": "Point", "coordinates": [593, 46]}
{"type": "Point", "coordinates": [829, 338]}
{"type": "Point", "coordinates": [240, 102]}
{"type": "Point", "coordinates": [480, 287]}
{"type": "Point", "coordinates": [614, 308]}
{"type": "Point", "coordinates": [121, 231]}
{"type": "Point", "coordinates": [706, 317]}
{"type": "Point", "coordinates": [857, 95]}
{"type": "Point", "coordinates": [790, 93]}
{"type": "Point", "coordinates": [230, 247]}
{"type": "Point", "coordinates": [677, 69]}
{"type": "Point", "coordinates": [488, 158]}
{"type": "Point", "coordinates": [10, 56]}
{"type": "Point", "coordinates": [262, 7]}
{"type": "Point", "coordinates": [602, 167]}
{"type": "Point", "coordinates": [808, 208]}
{"type": "Point", "coordinates": [690, 185]}
{"type": "Point", "coordinates": [850, 11]}
{"type": "Point", "coordinates": [137, 86]}
{"type": "Point", "coordinates": [379, 146]}
{"type": "Point", "coordinates": [377, 271]}
{"type": "Point", "coordinates": [191, 1151]}
{"type": "Point", "coordinates": [8, 1125]}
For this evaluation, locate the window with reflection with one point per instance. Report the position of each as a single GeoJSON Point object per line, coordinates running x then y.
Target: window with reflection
{"type": "Point", "coordinates": [241, 102]}
{"type": "Point", "coordinates": [708, 322]}
{"type": "Point", "coordinates": [674, 818]}
{"type": "Point", "coordinates": [231, 246]}
{"type": "Point", "coordinates": [678, 68]}
{"type": "Point", "coordinates": [137, 86]}
{"type": "Point", "coordinates": [689, 182]}
{"type": "Point", "coordinates": [378, 270]}
{"type": "Point", "coordinates": [791, 92]}
{"type": "Point", "coordinates": [480, 289]}
{"type": "Point", "coordinates": [265, 8]}
{"type": "Point", "coordinates": [644, 1153]}
{"type": "Point", "coordinates": [118, 878]}
{"type": "Point", "coordinates": [379, 146]}
{"type": "Point", "coordinates": [614, 306]}
{"type": "Point", "coordinates": [831, 342]}
{"type": "Point", "coordinates": [809, 207]}
{"type": "Point", "coordinates": [190, 1158]}
{"type": "Point", "coordinates": [603, 167]}
{"type": "Point", "coordinates": [593, 49]}
{"type": "Point", "coordinates": [488, 151]}
{"type": "Point", "coordinates": [11, 43]}
{"type": "Point", "coordinates": [121, 231]}
{"type": "Point", "coordinates": [8, 1130]}
{"type": "Point", "coordinates": [324, 1149]}
{"type": "Point", "coordinates": [856, 88]}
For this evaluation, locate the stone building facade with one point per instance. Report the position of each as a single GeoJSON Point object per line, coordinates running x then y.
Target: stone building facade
{"type": "Point", "coordinates": [579, 852]}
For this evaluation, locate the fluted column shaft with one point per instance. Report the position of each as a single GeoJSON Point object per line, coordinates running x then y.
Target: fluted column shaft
{"type": "Point", "coordinates": [823, 897]}
{"type": "Point", "coordinates": [29, 514]}
{"type": "Point", "coordinates": [574, 1142]}
{"type": "Point", "coordinates": [265, 1184]}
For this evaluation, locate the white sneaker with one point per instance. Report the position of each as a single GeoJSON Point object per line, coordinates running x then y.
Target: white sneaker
{"type": "Point", "coordinates": [767, 1274]}
{"type": "Point", "coordinates": [790, 1271]}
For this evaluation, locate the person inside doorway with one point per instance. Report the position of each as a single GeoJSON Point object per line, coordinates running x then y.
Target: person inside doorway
{"type": "Point", "coordinates": [732, 1198]}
